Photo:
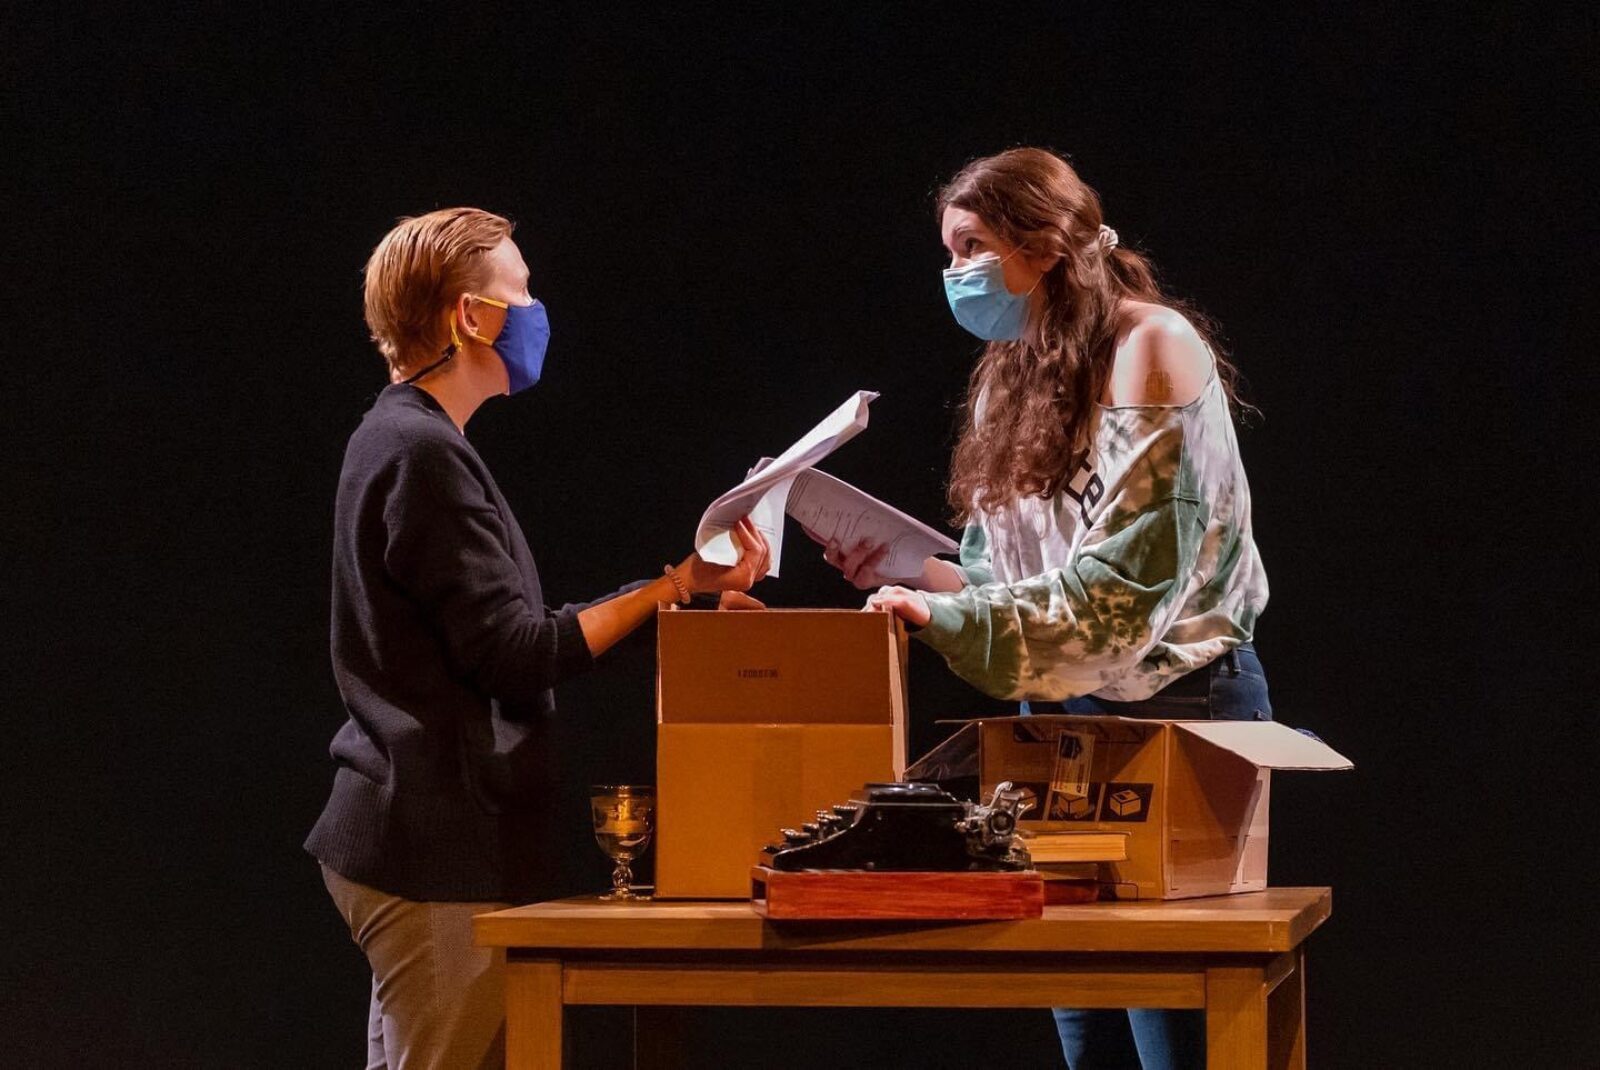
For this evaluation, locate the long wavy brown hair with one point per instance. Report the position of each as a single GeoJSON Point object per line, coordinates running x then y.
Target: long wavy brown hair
{"type": "Point", "coordinates": [1039, 393]}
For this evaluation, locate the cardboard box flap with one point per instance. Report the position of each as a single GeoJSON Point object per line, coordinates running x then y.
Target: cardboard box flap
{"type": "Point", "coordinates": [1060, 719]}
{"type": "Point", "coordinates": [778, 666]}
{"type": "Point", "coordinates": [1268, 744]}
{"type": "Point", "coordinates": [955, 757]}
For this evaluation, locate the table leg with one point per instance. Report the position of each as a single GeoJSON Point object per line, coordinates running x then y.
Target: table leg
{"type": "Point", "coordinates": [1286, 1019]}
{"type": "Point", "coordinates": [1236, 1018]}
{"type": "Point", "coordinates": [533, 1014]}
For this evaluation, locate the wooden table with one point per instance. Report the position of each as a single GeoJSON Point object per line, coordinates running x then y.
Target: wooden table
{"type": "Point", "coordinates": [1238, 957]}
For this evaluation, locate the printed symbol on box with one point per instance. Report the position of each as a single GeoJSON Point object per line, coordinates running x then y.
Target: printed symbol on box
{"type": "Point", "coordinates": [1032, 796]}
{"type": "Point", "coordinates": [1126, 802]}
{"type": "Point", "coordinates": [1082, 808]}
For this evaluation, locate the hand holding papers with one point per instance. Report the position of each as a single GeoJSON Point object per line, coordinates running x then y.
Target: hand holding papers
{"type": "Point", "coordinates": [831, 510]}
{"type": "Point", "coordinates": [765, 491]}
{"type": "Point", "coordinates": [835, 512]}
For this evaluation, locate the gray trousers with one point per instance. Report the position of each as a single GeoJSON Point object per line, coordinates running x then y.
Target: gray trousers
{"type": "Point", "coordinates": [438, 1002]}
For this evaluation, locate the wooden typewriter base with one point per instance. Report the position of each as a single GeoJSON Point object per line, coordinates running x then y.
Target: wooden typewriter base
{"type": "Point", "coordinates": [859, 895]}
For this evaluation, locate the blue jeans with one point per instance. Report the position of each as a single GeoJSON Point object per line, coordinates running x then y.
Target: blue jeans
{"type": "Point", "coordinates": [1232, 688]}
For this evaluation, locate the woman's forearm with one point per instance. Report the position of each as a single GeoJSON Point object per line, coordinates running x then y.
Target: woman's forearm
{"type": "Point", "coordinates": [941, 575]}
{"type": "Point", "coordinates": [605, 624]}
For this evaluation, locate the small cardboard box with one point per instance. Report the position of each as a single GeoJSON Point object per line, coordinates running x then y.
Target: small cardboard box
{"type": "Point", "coordinates": [764, 718]}
{"type": "Point", "coordinates": [1192, 795]}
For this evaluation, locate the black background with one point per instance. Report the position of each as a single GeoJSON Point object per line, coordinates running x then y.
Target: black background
{"type": "Point", "coordinates": [729, 218]}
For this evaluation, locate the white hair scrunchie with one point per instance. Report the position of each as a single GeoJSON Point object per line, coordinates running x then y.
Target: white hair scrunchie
{"type": "Point", "coordinates": [1106, 239]}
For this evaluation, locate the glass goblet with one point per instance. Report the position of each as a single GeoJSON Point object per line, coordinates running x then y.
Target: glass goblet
{"type": "Point", "coordinates": [624, 818]}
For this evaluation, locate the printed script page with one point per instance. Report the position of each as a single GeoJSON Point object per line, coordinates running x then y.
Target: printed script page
{"type": "Point", "coordinates": [839, 513]}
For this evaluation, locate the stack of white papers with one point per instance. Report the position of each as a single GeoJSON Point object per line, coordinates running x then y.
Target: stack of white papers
{"type": "Point", "coordinates": [830, 507]}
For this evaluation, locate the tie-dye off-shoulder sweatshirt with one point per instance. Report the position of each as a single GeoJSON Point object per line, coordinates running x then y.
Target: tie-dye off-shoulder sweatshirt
{"type": "Point", "coordinates": [1140, 569]}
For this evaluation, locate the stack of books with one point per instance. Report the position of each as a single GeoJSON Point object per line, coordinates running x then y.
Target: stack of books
{"type": "Point", "coordinates": [1070, 862]}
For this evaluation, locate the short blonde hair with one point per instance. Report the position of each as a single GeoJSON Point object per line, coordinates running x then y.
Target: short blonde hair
{"type": "Point", "coordinates": [418, 270]}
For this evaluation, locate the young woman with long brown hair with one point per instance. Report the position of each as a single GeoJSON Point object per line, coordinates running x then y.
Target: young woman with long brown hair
{"type": "Point", "coordinates": [1107, 563]}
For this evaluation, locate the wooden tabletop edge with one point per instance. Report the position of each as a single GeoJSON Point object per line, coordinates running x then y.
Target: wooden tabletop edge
{"type": "Point", "coordinates": [1280, 922]}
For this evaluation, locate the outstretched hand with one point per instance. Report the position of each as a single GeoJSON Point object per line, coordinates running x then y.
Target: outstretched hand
{"type": "Point", "coordinates": [910, 606]}
{"type": "Point", "coordinates": [755, 559]}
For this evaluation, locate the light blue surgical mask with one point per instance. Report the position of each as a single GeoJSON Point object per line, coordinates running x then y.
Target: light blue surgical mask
{"type": "Point", "coordinates": [978, 296]}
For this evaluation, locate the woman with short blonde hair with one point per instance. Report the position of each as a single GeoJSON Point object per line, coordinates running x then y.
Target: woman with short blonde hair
{"type": "Point", "coordinates": [444, 651]}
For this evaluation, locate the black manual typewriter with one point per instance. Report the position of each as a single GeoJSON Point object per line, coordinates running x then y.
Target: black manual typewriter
{"type": "Point", "coordinates": [904, 827]}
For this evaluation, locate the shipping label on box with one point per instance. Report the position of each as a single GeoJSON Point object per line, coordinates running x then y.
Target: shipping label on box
{"type": "Point", "coordinates": [1074, 759]}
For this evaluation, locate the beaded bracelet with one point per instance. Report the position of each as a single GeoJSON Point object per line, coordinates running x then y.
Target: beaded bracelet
{"type": "Point", "coordinates": [684, 597]}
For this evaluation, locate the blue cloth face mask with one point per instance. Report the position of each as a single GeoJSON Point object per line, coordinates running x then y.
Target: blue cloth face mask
{"type": "Point", "coordinates": [978, 296]}
{"type": "Point", "coordinates": [520, 345]}
{"type": "Point", "coordinates": [521, 342]}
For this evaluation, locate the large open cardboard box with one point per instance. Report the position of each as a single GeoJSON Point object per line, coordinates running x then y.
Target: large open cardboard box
{"type": "Point", "coordinates": [1192, 795]}
{"type": "Point", "coordinates": [765, 717]}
